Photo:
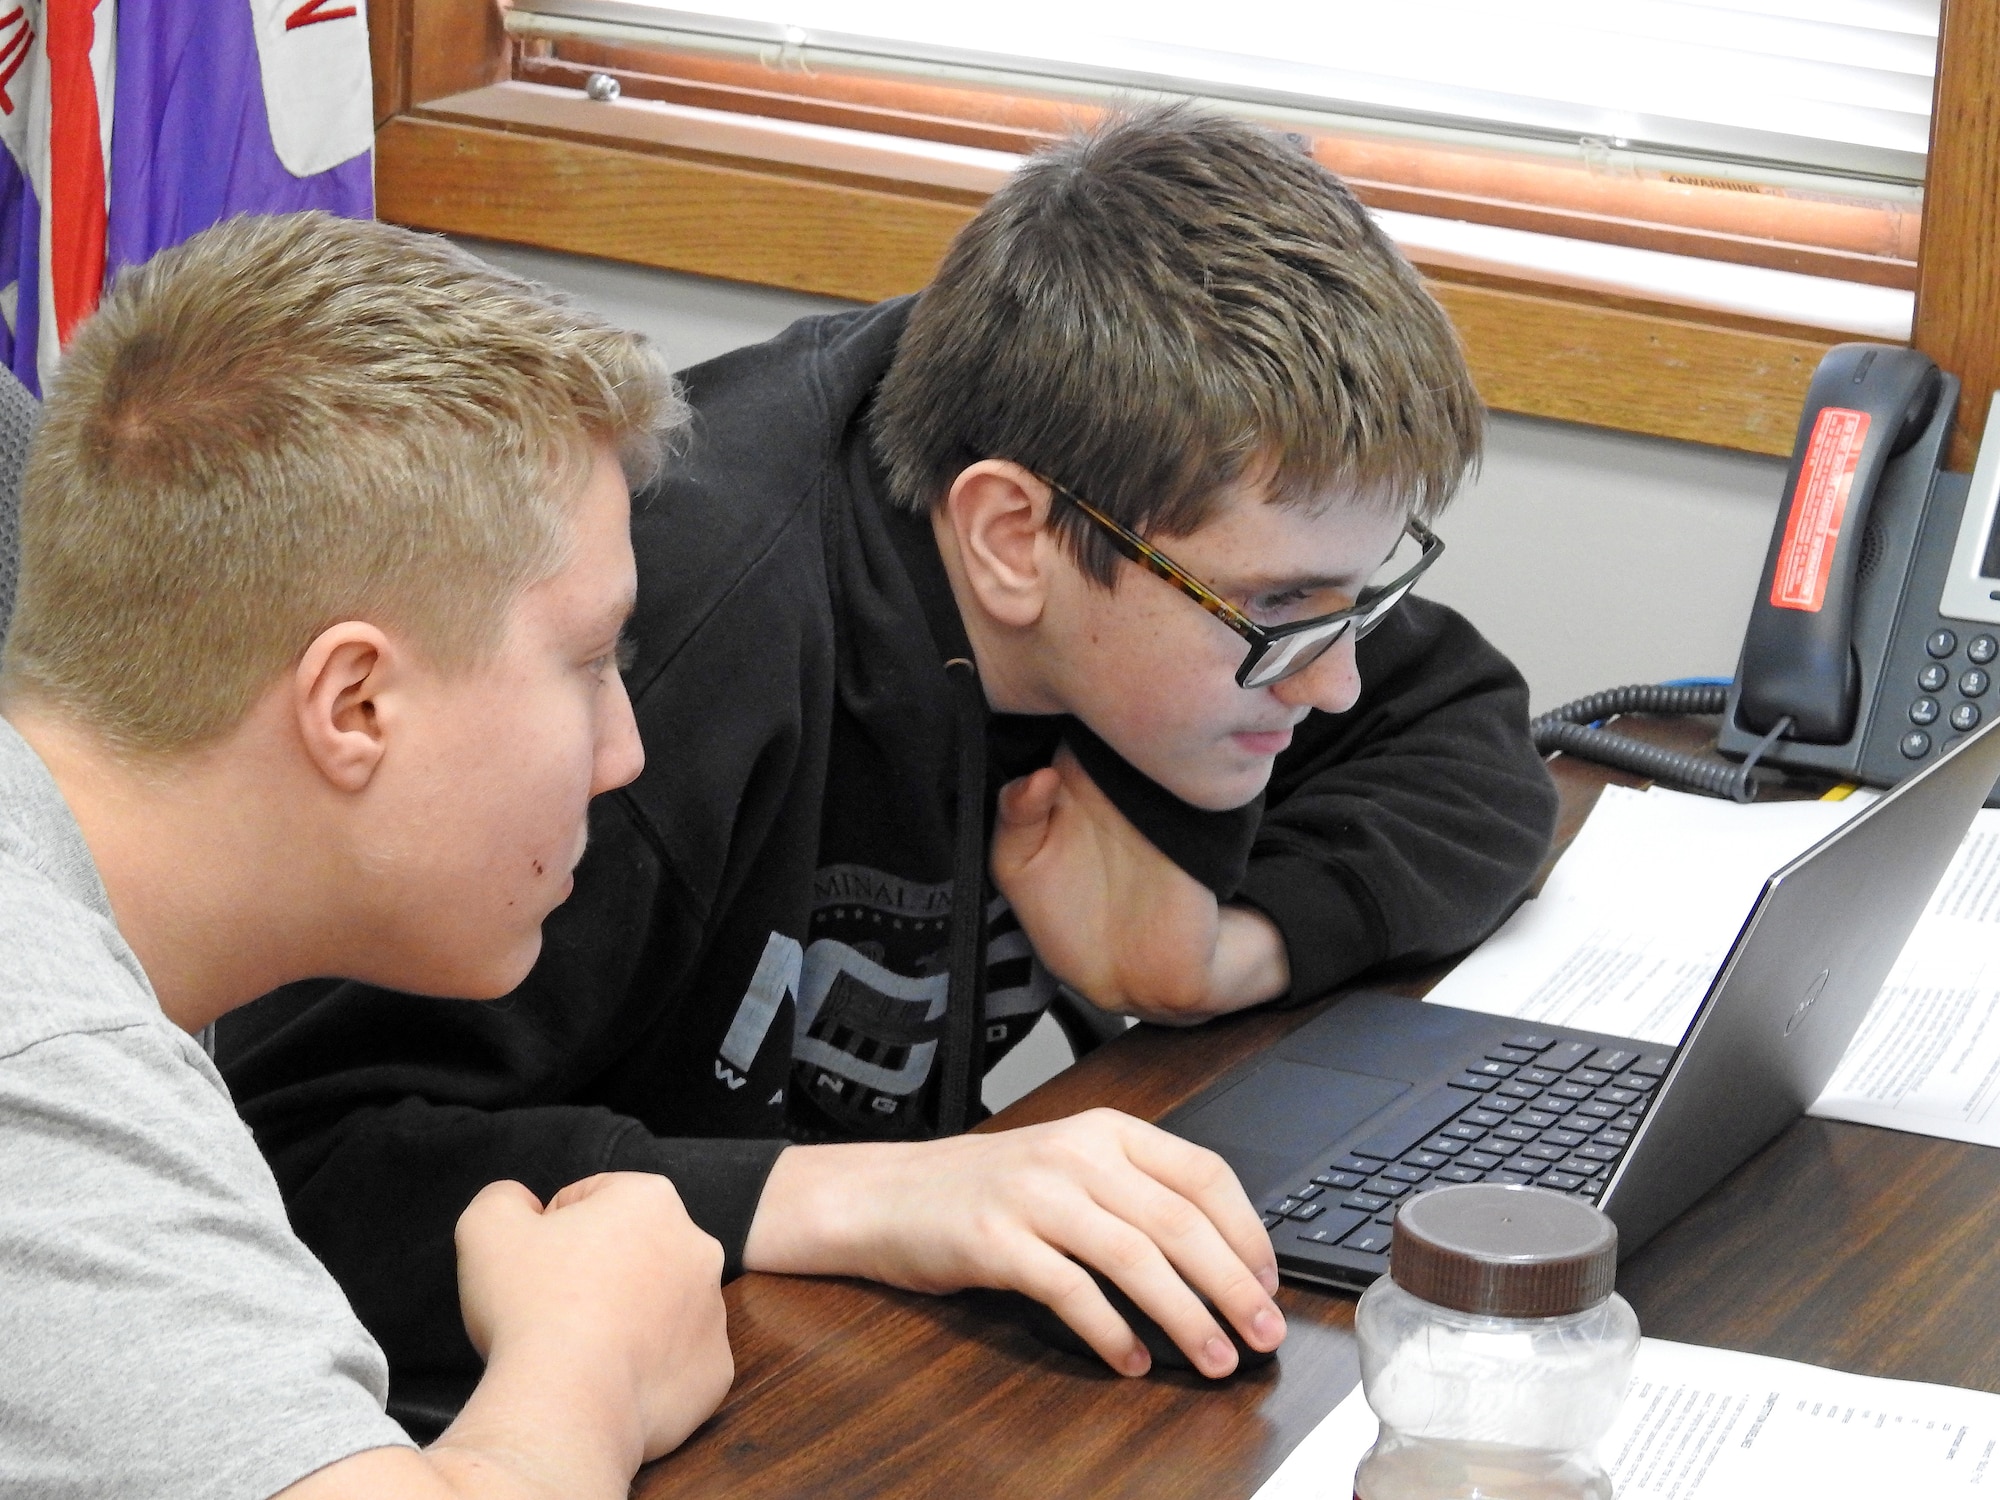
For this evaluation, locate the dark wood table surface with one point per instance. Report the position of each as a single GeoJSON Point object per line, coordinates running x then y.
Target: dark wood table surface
{"type": "Point", "coordinates": [1843, 1245]}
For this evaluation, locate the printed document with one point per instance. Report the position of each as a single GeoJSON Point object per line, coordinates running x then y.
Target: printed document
{"type": "Point", "coordinates": [1712, 1424]}
{"type": "Point", "coordinates": [1638, 914]}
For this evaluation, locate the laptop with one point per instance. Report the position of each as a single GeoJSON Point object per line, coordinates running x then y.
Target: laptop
{"type": "Point", "coordinates": [1384, 1097]}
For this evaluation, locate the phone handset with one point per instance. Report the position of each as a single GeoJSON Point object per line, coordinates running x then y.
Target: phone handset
{"type": "Point", "coordinates": [1867, 403]}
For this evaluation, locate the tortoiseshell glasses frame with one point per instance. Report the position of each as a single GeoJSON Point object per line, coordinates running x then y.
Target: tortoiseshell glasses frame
{"type": "Point", "coordinates": [1277, 651]}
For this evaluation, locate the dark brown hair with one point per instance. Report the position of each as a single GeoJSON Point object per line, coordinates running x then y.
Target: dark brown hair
{"type": "Point", "coordinates": [1165, 306]}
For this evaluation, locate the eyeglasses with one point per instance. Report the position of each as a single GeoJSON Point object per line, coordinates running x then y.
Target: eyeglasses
{"type": "Point", "coordinates": [1277, 651]}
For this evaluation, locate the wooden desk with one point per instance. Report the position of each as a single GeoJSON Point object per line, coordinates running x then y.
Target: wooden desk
{"type": "Point", "coordinates": [1863, 1249]}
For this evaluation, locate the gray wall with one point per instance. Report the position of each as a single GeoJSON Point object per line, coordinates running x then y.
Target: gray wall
{"type": "Point", "coordinates": [1591, 557]}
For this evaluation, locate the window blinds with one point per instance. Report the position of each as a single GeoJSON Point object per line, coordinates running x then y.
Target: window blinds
{"type": "Point", "coordinates": [1839, 87]}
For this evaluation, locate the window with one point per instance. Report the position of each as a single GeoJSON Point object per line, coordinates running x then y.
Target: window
{"type": "Point", "coordinates": [1762, 132]}
{"type": "Point", "coordinates": [1681, 277]}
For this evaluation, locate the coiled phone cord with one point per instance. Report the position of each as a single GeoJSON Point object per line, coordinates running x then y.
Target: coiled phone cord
{"type": "Point", "coordinates": [1572, 727]}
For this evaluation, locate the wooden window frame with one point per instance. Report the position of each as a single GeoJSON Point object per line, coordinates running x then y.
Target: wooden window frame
{"type": "Point", "coordinates": [456, 152]}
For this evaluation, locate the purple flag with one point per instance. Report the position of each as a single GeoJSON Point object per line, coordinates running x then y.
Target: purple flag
{"type": "Point", "coordinates": [200, 109]}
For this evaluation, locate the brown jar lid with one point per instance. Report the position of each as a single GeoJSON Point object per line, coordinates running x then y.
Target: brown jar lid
{"type": "Point", "coordinates": [1511, 1252]}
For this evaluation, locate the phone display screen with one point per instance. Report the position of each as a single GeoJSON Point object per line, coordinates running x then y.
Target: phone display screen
{"type": "Point", "coordinates": [1989, 561]}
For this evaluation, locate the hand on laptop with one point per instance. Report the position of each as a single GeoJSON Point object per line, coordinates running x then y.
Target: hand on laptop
{"type": "Point", "coordinates": [1010, 1209]}
{"type": "Point", "coordinates": [1114, 918]}
{"type": "Point", "coordinates": [601, 1314]}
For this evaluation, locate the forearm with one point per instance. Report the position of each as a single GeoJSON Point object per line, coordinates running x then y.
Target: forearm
{"type": "Point", "coordinates": [543, 1425]}
{"type": "Point", "coordinates": [809, 1220]}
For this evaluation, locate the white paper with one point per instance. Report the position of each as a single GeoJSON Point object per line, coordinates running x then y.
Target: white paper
{"type": "Point", "coordinates": [1927, 1058]}
{"type": "Point", "coordinates": [1638, 914]}
{"type": "Point", "coordinates": [1712, 1424]}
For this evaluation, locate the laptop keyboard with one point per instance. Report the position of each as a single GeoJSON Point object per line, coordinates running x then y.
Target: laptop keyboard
{"type": "Point", "coordinates": [1539, 1108]}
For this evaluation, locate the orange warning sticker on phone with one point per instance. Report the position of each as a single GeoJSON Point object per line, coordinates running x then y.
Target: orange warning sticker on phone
{"type": "Point", "coordinates": [1812, 530]}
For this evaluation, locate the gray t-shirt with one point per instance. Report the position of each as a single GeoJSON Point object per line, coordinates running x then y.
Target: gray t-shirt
{"type": "Point", "coordinates": [162, 1332]}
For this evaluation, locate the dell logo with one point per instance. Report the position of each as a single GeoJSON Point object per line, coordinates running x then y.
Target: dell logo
{"type": "Point", "coordinates": [1812, 993]}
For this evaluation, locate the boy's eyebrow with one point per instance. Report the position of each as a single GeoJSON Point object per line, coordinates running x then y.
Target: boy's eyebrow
{"type": "Point", "coordinates": [618, 618]}
{"type": "Point", "coordinates": [1285, 583]}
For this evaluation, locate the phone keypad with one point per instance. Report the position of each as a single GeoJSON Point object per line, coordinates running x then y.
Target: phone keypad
{"type": "Point", "coordinates": [1935, 676]}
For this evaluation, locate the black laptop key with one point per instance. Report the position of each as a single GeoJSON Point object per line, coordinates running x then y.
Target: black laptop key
{"type": "Point", "coordinates": [1623, 1098]}
{"type": "Point", "coordinates": [1367, 1166]}
{"type": "Point", "coordinates": [1581, 1166]}
{"type": "Point", "coordinates": [1510, 1054]}
{"type": "Point", "coordinates": [1562, 1182]}
{"type": "Point", "coordinates": [1494, 1104]}
{"type": "Point", "coordinates": [1484, 1118]}
{"type": "Point", "coordinates": [1331, 1227]}
{"type": "Point", "coordinates": [1461, 1174]}
{"type": "Point", "coordinates": [1345, 1181]}
{"type": "Point", "coordinates": [1566, 1055]}
{"type": "Point", "coordinates": [1516, 1089]}
{"type": "Point", "coordinates": [1510, 1178]}
{"type": "Point", "coordinates": [1401, 1173]}
{"type": "Point", "coordinates": [1599, 1153]}
{"type": "Point", "coordinates": [1272, 1221]}
{"type": "Point", "coordinates": [1610, 1137]}
{"type": "Point", "coordinates": [1534, 1166]}
{"type": "Point", "coordinates": [1544, 1152]}
{"type": "Point", "coordinates": [1626, 1121]}
{"type": "Point", "coordinates": [1464, 1130]}
{"type": "Point", "coordinates": [1437, 1145]}
{"type": "Point", "coordinates": [1549, 1104]}
{"type": "Point", "coordinates": [1307, 1193]}
{"type": "Point", "coordinates": [1482, 1161]}
{"type": "Point", "coordinates": [1305, 1213]}
{"type": "Point", "coordinates": [1494, 1146]}
{"type": "Point", "coordinates": [1600, 1109]}
{"type": "Point", "coordinates": [1654, 1064]}
{"type": "Point", "coordinates": [1421, 1120]}
{"type": "Point", "coordinates": [1576, 1093]}
{"type": "Point", "coordinates": [1540, 1076]}
{"type": "Point", "coordinates": [1368, 1203]}
{"type": "Point", "coordinates": [1385, 1187]}
{"type": "Point", "coordinates": [1538, 1119]}
{"type": "Point", "coordinates": [1531, 1041]}
{"type": "Point", "coordinates": [1565, 1137]}
{"type": "Point", "coordinates": [1590, 1076]}
{"type": "Point", "coordinates": [1521, 1133]}
{"type": "Point", "coordinates": [1491, 1069]}
{"type": "Point", "coordinates": [1282, 1207]}
{"type": "Point", "coordinates": [1371, 1238]}
{"type": "Point", "coordinates": [1614, 1060]}
{"type": "Point", "coordinates": [1477, 1083]}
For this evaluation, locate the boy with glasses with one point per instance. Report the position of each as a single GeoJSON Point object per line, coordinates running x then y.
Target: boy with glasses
{"type": "Point", "coordinates": [1050, 626]}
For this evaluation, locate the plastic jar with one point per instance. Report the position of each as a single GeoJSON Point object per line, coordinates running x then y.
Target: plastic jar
{"type": "Point", "coordinates": [1494, 1352]}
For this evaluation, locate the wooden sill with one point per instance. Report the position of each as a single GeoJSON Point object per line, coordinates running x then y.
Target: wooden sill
{"type": "Point", "coordinates": [843, 215]}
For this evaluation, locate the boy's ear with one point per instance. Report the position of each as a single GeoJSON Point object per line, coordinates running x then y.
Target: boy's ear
{"type": "Point", "coordinates": [336, 689]}
{"type": "Point", "coordinates": [998, 513]}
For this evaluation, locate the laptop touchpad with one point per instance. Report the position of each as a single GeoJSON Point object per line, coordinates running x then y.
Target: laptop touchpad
{"type": "Point", "coordinates": [1274, 1119]}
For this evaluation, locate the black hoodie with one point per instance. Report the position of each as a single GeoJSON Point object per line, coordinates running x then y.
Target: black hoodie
{"type": "Point", "coordinates": [760, 942]}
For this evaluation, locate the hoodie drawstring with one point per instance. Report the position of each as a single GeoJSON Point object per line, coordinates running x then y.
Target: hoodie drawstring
{"type": "Point", "coordinates": [964, 1020]}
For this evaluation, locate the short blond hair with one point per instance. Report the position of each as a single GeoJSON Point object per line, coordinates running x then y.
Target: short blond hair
{"type": "Point", "coordinates": [290, 421]}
